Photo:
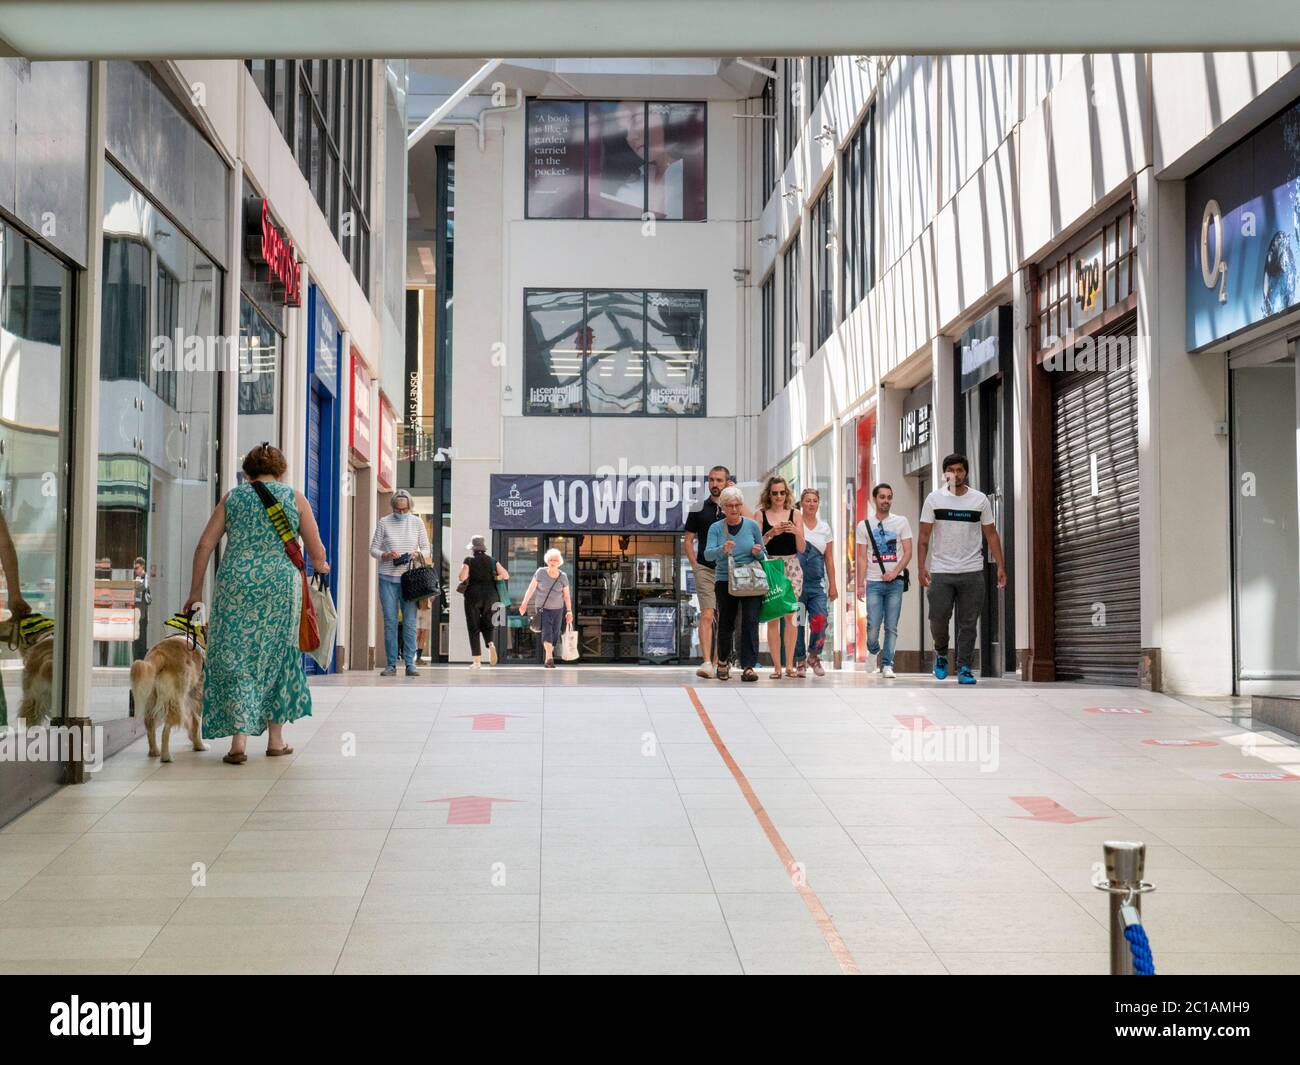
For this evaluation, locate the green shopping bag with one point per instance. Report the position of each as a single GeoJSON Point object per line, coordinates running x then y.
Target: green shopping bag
{"type": "Point", "coordinates": [780, 599]}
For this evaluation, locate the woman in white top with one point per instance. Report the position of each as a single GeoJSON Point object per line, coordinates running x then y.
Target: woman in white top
{"type": "Point", "coordinates": [819, 589]}
{"type": "Point", "coordinates": [554, 603]}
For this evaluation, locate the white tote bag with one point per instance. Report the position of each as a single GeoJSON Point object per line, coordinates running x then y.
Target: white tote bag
{"type": "Point", "coordinates": [328, 619]}
{"type": "Point", "coordinates": [569, 644]}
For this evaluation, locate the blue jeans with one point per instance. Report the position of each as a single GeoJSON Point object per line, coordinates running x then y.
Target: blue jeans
{"type": "Point", "coordinates": [390, 595]}
{"type": "Point", "coordinates": [815, 608]}
{"type": "Point", "coordinates": [884, 603]}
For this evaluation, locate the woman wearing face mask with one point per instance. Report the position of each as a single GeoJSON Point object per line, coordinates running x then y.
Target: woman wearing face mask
{"type": "Point", "coordinates": [397, 538]}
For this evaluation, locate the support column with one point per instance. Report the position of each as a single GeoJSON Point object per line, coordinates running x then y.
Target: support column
{"type": "Point", "coordinates": [83, 477]}
{"type": "Point", "coordinates": [1018, 439]}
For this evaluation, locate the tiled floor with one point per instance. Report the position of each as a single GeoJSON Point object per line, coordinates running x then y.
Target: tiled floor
{"type": "Point", "coordinates": [619, 840]}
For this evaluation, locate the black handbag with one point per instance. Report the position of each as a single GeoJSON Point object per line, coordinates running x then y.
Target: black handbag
{"type": "Point", "coordinates": [420, 581]}
{"type": "Point", "coordinates": [905, 577]}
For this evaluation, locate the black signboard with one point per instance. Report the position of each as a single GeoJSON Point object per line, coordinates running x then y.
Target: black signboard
{"type": "Point", "coordinates": [981, 347]}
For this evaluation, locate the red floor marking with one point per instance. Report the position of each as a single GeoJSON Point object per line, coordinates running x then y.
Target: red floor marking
{"type": "Point", "coordinates": [470, 809]}
{"type": "Point", "coordinates": [1181, 743]}
{"type": "Point", "coordinates": [488, 722]}
{"type": "Point", "coordinates": [1042, 808]}
{"type": "Point", "coordinates": [837, 945]}
{"type": "Point", "coordinates": [912, 721]}
{"type": "Point", "coordinates": [1116, 710]}
{"type": "Point", "coordinates": [1260, 774]}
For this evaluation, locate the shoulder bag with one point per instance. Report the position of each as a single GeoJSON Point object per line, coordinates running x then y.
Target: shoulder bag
{"type": "Point", "coordinates": [905, 577]}
{"type": "Point", "coordinates": [535, 617]}
{"type": "Point", "coordinates": [747, 578]}
{"type": "Point", "coordinates": [308, 623]}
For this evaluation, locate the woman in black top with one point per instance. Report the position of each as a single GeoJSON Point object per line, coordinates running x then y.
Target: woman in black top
{"type": "Point", "coordinates": [479, 574]}
{"type": "Point", "coordinates": [783, 537]}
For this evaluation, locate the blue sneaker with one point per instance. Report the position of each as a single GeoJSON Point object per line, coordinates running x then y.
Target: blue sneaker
{"type": "Point", "coordinates": [940, 667]}
{"type": "Point", "coordinates": [965, 676]}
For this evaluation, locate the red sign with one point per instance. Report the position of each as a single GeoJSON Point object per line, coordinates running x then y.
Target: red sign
{"type": "Point", "coordinates": [267, 243]}
{"type": "Point", "coordinates": [387, 445]}
{"type": "Point", "coordinates": [359, 433]}
{"type": "Point", "coordinates": [1116, 710]}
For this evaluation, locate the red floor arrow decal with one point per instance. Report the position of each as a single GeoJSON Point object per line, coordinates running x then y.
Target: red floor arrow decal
{"type": "Point", "coordinates": [911, 722]}
{"type": "Point", "coordinates": [488, 722]}
{"type": "Point", "coordinates": [1041, 808]}
{"type": "Point", "coordinates": [470, 809]}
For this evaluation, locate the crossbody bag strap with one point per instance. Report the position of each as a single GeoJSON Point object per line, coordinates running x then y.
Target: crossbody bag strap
{"type": "Point", "coordinates": [280, 522]}
{"type": "Point", "coordinates": [875, 549]}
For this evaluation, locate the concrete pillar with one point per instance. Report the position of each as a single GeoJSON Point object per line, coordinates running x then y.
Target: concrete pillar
{"type": "Point", "coordinates": [941, 412]}
{"type": "Point", "coordinates": [1022, 350]}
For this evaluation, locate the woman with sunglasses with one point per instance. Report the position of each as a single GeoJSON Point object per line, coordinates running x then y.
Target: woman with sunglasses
{"type": "Point", "coordinates": [783, 538]}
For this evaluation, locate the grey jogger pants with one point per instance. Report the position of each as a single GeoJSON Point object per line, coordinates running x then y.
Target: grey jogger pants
{"type": "Point", "coordinates": [966, 592]}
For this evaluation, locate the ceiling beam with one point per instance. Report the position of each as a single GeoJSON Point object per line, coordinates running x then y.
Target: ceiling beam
{"type": "Point", "coordinates": [136, 29]}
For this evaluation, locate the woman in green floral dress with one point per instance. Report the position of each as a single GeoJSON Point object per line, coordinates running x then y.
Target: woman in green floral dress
{"type": "Point", "coordinates": [253, 680]}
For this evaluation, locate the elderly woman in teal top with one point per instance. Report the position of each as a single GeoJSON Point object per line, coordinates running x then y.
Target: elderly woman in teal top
{"type": "Point", "coordinates": [735, 538]}
{"type": "Point", "coordinates": [254, 680]}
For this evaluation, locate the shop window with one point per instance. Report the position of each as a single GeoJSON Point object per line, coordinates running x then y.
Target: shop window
{"type": "Point", "coordinates": [157, 406]}
{"type": "Point", "coordinates": [613, 352]}
{"type": "Point", "coordinates": [791, 111]}
{"type": "Point", "coordinates": [615, 159]}
{"type": "Point", "coordinates": [35, 354]}
{"type": "Point", "coordinates": [770, 162]}
{"type": "Point", "coordinates": [259, 380]}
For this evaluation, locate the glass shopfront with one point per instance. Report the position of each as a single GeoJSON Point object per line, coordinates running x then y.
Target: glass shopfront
{"type": "Point", "coordinates": [161, 354]}
{"type": "Point", "coordinates": [613, 579]}
{"type": "Point", "coordinates": [260, 396]}
{"type": "Point", "coordinates": [36, 294]}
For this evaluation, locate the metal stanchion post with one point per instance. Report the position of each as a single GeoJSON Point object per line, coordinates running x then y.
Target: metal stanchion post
{"type": "Point", "coordinates": [1125, 863]}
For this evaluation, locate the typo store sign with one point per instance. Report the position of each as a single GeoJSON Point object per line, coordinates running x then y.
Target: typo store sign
{"type": "Point", "coordinates": [592, 503]}
{"type": "Point", "coordinates": [267, 245]}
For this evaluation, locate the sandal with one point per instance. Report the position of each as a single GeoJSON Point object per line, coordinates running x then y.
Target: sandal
{"type": "Point", "coordinates": [278, 751]}
{"type": "Point", "coordinates": [792, 673]}
{"type": "Point", "coordinates": [724, 673]}
{"type": "Point", "coordinates": [749, 674]}
{"type": "Point", "coordinates": [776, 675]}
{"type": "Point", "coordinates": [235, 759]}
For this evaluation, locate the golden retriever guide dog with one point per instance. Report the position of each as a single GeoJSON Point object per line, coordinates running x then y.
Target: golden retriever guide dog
{"type": "Point", "coordinates": [167, 685]}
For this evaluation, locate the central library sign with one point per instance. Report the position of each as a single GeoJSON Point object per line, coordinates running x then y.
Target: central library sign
{"type": "Point", "coordinates": [594, 503]}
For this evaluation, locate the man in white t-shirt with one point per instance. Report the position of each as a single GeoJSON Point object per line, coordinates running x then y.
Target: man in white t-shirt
{"type": "Point", "coordinates": [956, 522]}
{"type": "Point", "coordinates": [881, 564]}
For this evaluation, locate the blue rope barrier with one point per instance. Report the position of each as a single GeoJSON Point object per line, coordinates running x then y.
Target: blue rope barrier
{"type": "Point", "coordinates": [1144, 964]}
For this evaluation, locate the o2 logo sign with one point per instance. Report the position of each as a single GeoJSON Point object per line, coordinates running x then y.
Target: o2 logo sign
{"type": "Point", "coordinates": [1213, 271]}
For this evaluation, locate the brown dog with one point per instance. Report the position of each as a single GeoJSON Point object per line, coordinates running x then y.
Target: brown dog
{"type": "Point", "coordinates": [38, 682]}
{"type": "Point", "coordinates": [168, 688]}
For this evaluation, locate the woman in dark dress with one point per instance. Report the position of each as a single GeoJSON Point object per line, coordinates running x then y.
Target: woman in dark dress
{"type": "Point", "coordinates": [480, 573]}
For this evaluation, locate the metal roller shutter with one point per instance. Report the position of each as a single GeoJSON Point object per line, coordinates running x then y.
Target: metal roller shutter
{"type": "Point", "coordinates": [1097, 575]}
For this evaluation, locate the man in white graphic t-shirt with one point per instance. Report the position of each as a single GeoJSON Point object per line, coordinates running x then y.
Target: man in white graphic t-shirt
{"type": "Point", "coordinates": [956, 522]}
{"type": "Point", "coordinates": [882, 563]}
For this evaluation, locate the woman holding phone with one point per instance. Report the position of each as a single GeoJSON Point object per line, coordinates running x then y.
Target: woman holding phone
{"type": "Point", "coordinates": [783, 538]}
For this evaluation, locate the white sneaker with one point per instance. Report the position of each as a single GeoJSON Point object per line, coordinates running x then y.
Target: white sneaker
{"type": "Point", "coordinates": [705, 671]}
{"type": "Point", "coordinates": [475, 665]}
{"type": "Point", "coordinates": [887, 672]}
